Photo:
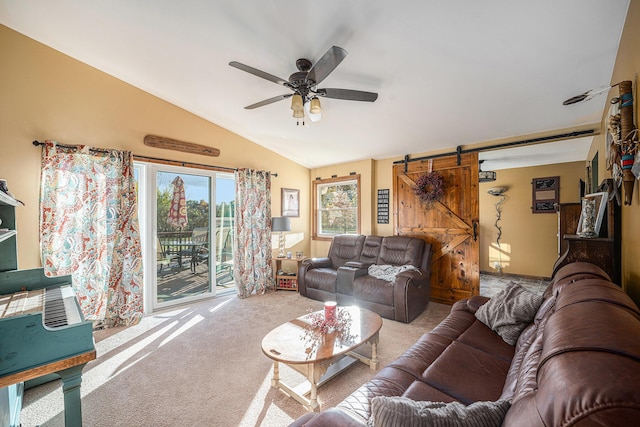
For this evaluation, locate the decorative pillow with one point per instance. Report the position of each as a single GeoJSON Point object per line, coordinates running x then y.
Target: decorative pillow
{"type": "Point", "coordinates": [404, 412]}
{"type": "Point", "coordinates": [510, 311]}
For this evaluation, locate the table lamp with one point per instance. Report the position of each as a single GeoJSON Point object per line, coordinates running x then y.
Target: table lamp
{"type": "Point", "coordinates": [280, 224]}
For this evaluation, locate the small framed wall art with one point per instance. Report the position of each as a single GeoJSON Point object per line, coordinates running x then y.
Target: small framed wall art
{"type": "Point", "coordinates": [290, 202]}
{"type": "Point", "coordinates": [545, 194]}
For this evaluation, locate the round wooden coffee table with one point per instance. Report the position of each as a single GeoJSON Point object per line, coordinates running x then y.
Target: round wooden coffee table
{"type": "Point", "coordinates": [320, 357]}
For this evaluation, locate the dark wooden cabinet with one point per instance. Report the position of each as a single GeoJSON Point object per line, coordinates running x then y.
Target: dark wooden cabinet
{"type": "Point", "coordinates": [604, 250]}
{"type": "Point", "coordinates": [568, 219]}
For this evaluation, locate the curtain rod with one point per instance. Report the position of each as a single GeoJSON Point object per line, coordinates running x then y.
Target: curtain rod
{"type": "Point", "coordinates": [504, 145]}
{"type": "Point", "coordinates": [159, 160]}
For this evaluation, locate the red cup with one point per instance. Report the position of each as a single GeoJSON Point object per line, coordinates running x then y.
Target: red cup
{"type": "Point", "coordinates": [330, 310]}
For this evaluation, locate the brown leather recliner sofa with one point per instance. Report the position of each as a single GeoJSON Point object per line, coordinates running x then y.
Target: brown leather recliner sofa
{"type": "Point", "coordinates": [576, 364]}
{"type": "Point", "coordinates": [343, 276]}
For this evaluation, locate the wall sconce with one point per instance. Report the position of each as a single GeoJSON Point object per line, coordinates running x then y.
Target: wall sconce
{"type": "Point", "coordinates": [485, 176]}
{"type": "Point", "coordinates": [280, 224]}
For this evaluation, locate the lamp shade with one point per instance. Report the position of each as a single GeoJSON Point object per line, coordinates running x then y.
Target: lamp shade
{"type": "Point", "coordinates": [280, 223]}
{"type": "Point", "coordinates": [296, 103]}
{"type": "Point", "coordinates": [315, 106]}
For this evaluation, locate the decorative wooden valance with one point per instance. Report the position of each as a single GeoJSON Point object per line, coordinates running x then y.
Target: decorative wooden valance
{"type": "Point", "coordinates": [174, 144]}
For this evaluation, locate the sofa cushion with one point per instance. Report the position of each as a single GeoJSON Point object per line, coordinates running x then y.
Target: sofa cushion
{"type": "Point", "coordinates": [510, 311]}
{"type": "Point", "coordinates": [345, 248]}
{"type": "Point", "coordinates": [322, 278]}
{"type": "Point", "coordinates": [371, 249]}
{"type": "Point", "coordinates": [401, 250]}
{"type": "Point", "coordinates": [481, 380]}
{"type": "Point", "coordinates": [402, 412]}
{"type": "Point", "coordinates": [370, 289]}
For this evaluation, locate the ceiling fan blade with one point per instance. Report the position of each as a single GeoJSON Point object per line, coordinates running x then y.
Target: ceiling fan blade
{"type": "Point", "coordinates": [259, 73]}
{"type": "Point", "coordinates": [325, 65]}
{"type": "Point", "coordinates": [348, 94]}
{"type": "Point", "coordinates": [268, 101]}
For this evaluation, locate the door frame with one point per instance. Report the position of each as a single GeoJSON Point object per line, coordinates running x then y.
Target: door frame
{"type": "Point", "coordinates": [147, 208]}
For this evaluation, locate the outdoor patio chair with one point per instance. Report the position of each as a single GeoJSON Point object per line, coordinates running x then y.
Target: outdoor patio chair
{"type": "Point", "coordinates": [162, 258]}
{"type": "Point", "coordinates": [200, 239]}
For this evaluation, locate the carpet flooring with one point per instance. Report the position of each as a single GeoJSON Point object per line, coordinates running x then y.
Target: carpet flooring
{"type": "Point", "coordinates": [202, 365]}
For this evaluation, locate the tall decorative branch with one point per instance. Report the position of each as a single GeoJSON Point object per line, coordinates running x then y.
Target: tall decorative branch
{"type": "Point", "coordinates": [498, 216]}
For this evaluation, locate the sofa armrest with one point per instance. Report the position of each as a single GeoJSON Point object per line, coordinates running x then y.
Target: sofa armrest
{"type": "Point", "coordinates": [475, 302]}
{"type": "Point", "coordinates": [346, 276]}
{"type": "Point", "coordinates": [324, 262]}
{"type": "Point", "coordinates": [417, 278]}
{"type": "Point", "coordinates": [310, 264]}
{"type": "Point", "coordinates": [359, 264]}
{"type": "Point", "coordinates": [471, 304]}
{"type": "Point", "coordinates": [411, 291]}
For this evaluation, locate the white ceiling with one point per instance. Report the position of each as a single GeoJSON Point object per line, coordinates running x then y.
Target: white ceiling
{"type": "Point", "coordinates": [448, 73]}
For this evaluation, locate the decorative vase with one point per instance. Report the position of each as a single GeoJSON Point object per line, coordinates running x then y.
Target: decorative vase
{"type": "Point", "coordinates": [330, 311]}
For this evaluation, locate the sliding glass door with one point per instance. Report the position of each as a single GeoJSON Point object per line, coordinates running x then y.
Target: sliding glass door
{"type": "Point", "coordinates": [188, 239]}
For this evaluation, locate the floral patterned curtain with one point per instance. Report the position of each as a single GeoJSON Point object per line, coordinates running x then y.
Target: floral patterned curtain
{"type": "Point", "coordinates": [89, 229]}
{"type": "Point", "coordinates": [252, 261]}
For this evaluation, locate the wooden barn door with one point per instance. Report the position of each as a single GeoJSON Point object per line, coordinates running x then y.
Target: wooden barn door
{"type": "Point", "coordinates": [450, 225]}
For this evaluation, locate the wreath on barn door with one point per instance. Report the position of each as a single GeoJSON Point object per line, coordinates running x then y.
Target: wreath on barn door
{"type": "Point", "coordinates": [429, 187]}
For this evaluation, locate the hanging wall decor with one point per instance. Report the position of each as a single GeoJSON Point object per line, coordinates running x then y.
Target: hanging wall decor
{"type": "Point", "coordinates": [429, 186]}
{"type": "Point", "coordinates": [628, 145]}
{"type": "Point", "coordinates": [545, 194]}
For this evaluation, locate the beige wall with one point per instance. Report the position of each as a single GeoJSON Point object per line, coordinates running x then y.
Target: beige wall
{"type": "Point", "coordinates": [627, 68]}
{"type": "Point", "coordinates": [529, 242]}
{"type": "Point", "coordinates": [47, 95]}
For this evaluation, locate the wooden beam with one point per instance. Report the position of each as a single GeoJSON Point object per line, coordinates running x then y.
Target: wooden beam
{"type": "Point", "coordinates": [174, 144]}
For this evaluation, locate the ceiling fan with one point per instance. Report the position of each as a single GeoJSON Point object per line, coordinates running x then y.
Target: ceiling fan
{"type": "Point", "coordinates": [304, 85]}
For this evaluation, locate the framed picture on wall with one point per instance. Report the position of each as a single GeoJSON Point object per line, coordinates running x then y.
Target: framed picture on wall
{"type": "Point", "coordinates": [592, 214]}
{"type": "Point", "coordinates": [290, 202]}
{"type": "Point", "coordinates": [545, 194]}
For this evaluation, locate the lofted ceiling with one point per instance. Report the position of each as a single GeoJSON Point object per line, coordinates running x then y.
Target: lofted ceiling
{"type": "Point", "coordinates": [448, 73]}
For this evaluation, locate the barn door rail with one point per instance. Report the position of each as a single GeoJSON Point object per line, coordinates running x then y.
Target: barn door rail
{"type": "Point", "coordinates": [459, 150]}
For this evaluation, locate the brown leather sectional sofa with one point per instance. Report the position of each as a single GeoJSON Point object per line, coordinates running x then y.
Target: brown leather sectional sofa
{"type": "Point", "coordinates": [577, 364]}
{"type": "Point", "coordinates": [343, 276]}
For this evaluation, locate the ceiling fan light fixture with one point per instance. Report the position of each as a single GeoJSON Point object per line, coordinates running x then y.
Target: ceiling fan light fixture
{"type": "Point", "coordinates": [298, 114]}
{"type": "Point", "coordinates": [296, 103]}
{"type": "Point", "coordinates": [315, 106]}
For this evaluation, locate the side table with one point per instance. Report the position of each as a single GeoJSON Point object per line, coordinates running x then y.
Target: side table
{"type": "Point", "coordinates": [287, 282]}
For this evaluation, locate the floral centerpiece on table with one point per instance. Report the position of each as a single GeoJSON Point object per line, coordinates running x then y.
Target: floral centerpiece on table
{"type": "Point", "coordinates": [318, 328]}
{"type": "Point", "coordinates": [429, 187]}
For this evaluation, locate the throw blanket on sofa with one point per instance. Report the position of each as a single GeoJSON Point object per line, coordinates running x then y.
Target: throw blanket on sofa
{"type": "Point", "coordinates": [389, 272]}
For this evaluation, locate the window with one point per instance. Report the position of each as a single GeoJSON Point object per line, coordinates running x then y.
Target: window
{"type": "Point", "coordinates": [336, 204]}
